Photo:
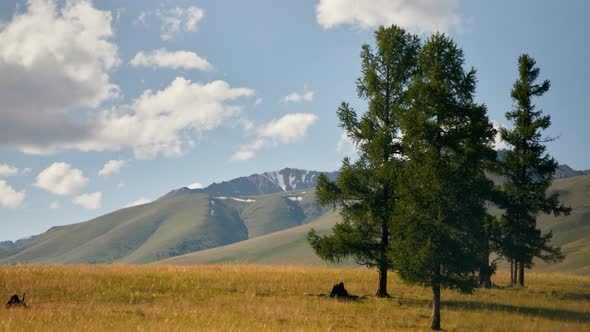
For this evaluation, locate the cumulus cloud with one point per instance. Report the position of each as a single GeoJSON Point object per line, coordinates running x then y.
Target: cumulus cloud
{"type": "Point", "coordinates": [7, 170]}
{"type": "Point", "coordinates": [499, 144]}
{"type": "Point", "coordinates": [175, 20]}
{"type": "Point", "coordinates": [193, 16]}
{"type": "Point", "coordinates": [54, 205]}
{"type": "Point", "coordinates": [139, 201]}
{"type": "Point", "coordinates": [161, 58]}
{"type": "Point", "coordinates": [297, 97]}
{"type": "Point", "coordinates": [248, 151]}
{"type": "Point", "coordinates": [161, 122]}
{"type": "Point", "coordinates": [61, 179]}
{"type": "Point", "coordinates": [345, 145]}
{"type": "Point", "coordinates": [196, 185]}
{"type": "Point", "coordinates": [62, 56]}
{"type": "Point", "coordinates": [9, 197]}
{"type": "Point", "coordinates": [290, 128]}
{"type": "Point", "coordinates": [92, 201]}
{"type": "Point", "coordinates": [111, 167]}
{"type": "Point", "coordinates": [414, 15]}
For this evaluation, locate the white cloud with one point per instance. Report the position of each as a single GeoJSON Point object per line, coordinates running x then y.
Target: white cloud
{"type": "Point", "coordinates": [196, 185]}
{"type": "Point", "coordinates": [414, 15]}
{"type": "Point", "coordinates": [499, 144]}
{"type": "Point", "coordinates": [175, 60]}
{"type": "Point", "coordinates": [54, 205]}
{"type": "Point", "coordinates": [139, 201]}
{"type": "Point", "coordinates": [345, 145]}
{"type": "Point", "coordinates": [258, 101]}
{"type": "Point", "coordinates": [112, 166]}
{"type": "Point", "coordinates": [175, 20]}
{"type": "Point", "coordinates": [194, 15]}
{"type": "Point", "coordinates": [92, 201]}
{"type": "Point", "coordinates": [297, 97]}
{"type": "Point", "coordinates": [289, 128]}
{"type": "Point", "coordinates": [161, 122]}
{"type": "Point", "coordinates": [62, 57]}
{"type": "Point", "coordinates": [7, 170]}
{"type": "Point", "coordinates": [248, 151]}
{"type": "Point", "coordinates": [61, 179]}
{"type": "Point", "coordinates": [10, 198]}
{"type": "Point", "coordinates": [26, 171]}
{"type": "Point", "coordinates": [248, 125]}
{"type": "Point", "coordinates": [243, 154]}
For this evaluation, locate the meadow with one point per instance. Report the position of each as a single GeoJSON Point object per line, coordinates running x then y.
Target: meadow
{"type": "Point", "coordinates": [272, 298]}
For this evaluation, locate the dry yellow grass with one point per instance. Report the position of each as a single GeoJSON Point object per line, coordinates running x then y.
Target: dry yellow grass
{"type": "Point", "coordinates": [234, 297]}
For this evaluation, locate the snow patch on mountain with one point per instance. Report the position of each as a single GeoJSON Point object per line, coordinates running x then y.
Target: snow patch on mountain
{"type": "Point", "coordinates": [244, 200]}
{"type": "Point", "coordinates": [276, 178]}
{"type": "Point", "coordinates": [293, 181]}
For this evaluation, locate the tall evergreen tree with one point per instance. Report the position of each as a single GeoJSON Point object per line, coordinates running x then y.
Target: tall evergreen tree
{"type": "Point", "coordinates": [365, 190]}
{"type": "Point", "coordinates": [528, 170]}
{"type": "Point", "coordinates": [488, 237]}
{"type": "Point", "coordinates": [443, 188]}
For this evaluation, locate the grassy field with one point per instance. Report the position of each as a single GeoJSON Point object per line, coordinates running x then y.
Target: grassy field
{"type": "Point", "coordinates": [239, 297]}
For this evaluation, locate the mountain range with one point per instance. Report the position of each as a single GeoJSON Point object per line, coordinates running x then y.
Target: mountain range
{"type": "Point", "coordinates": [261, 218]}
{"type": "Point", "coordinates": [287, 179]}
{"type": "Point", "coordinates": [180, 222]}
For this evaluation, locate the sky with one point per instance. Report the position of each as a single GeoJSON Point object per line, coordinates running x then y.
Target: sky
{"type": "Point", "coordinates": [107, 104]}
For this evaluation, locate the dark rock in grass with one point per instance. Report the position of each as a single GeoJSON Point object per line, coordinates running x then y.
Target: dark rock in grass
{"type": "Point", "coordinates": [339, 291]}
{"type": "Point", "coordinates": [15, 302]}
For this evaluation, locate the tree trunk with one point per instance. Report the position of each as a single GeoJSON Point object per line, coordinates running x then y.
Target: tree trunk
{"type": "Point", "coordinates": [382, 291]}
{"type": "Point", "coordinates": [515, 275]}
{"type": "Point", "coordinates": [521, 274]}
{"type": "Point", "coordinates": [485, 273]}
{"type": "Point", "coordinates": [435, 306]}
{"type": "Point", "coordinates": [511, 271]}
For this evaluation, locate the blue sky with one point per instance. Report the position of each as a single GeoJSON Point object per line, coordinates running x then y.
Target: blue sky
{"type": "Point", "coordinates": [181, 92]}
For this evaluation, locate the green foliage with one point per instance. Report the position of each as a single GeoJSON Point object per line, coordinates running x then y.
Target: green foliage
{"type": "Point", "coordinates": [442, 189]}
{"type": "Point", "coordinates": [365, 190]}
{"type": "Point", "coordinates": [528, 170]}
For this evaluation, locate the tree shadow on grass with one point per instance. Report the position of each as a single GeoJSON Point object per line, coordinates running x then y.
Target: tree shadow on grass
{"type": "Point", "coordinates": [549, 313]}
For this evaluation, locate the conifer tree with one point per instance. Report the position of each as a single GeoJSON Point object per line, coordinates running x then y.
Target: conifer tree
{"type": "Point", "coordinates": [447, 138]}
{"type": "Point", "coordinates": [365, 190]}
{"type": "Point", "coordinates": [528, 170]}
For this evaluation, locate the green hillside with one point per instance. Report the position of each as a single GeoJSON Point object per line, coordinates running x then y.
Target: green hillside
{"type": "Point", "coordinates": [287, 247]}
{"type": "Point", "coordinates": [167, 227]}
{"type": "Point", "coordinates": [572, 233]}
{"type": "Point", "coordinates": [275, 212]}
{"type": "Point", "coordinates": [5, 246]}
{"type": "Point", "coordinates": [134, 235]}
